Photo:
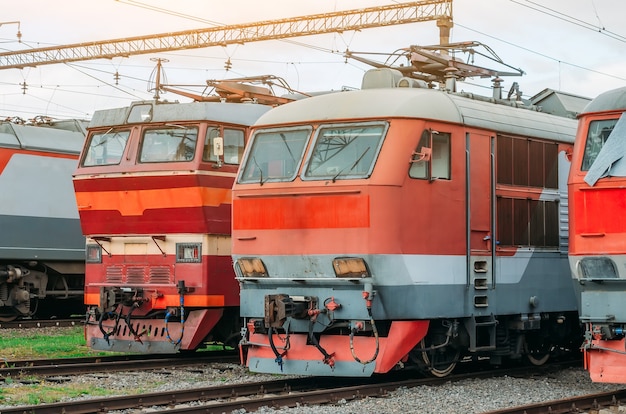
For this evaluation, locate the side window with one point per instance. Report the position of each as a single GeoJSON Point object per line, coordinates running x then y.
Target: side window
{"type": "Point", "coordinates": [105, 148]}
{"type": "Point", "coordinates": [233, 146]}
{"type": "Point", "coordinates": [207, 154]}
{"type": "Point", "coordinates": [431, 159]}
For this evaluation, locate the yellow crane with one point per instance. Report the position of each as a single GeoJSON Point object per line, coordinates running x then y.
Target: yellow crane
{"type": "Point", "coordinates": [417, 11]}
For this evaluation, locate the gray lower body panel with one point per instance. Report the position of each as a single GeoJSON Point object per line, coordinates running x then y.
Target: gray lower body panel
{"type": "Point", "coordinates": [41, 238]}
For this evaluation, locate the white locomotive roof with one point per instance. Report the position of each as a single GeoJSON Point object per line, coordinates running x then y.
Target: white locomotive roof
{"type": "Point", "coordinates": [608, 101]}
{"type": "Point", "coordinates": [41, 138]}
{"type": "Point", "coordinates": [423, 103]}
{"type": "Point", "coordinates": [232, 113]}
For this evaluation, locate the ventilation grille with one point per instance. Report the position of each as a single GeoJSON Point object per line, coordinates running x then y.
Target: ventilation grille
{"type": "Point", "coordinates": [140, 275]}
{"type": "Point", "coordinates": [115, 274]}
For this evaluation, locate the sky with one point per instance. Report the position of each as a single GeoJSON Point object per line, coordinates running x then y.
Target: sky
{"type": "Point", "coordinates": [575, 46]}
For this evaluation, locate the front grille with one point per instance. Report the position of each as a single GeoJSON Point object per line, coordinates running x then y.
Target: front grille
{"type": "Point", "coordinates": [140, 274]}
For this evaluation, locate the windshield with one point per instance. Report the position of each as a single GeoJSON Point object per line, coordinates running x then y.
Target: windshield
{"type": "Point", "coordinates": [599, 132]}
{"type": "Point", "coordinates": [177, 143]}
{"type": "Point", "coordinates": [274, 155]}
{"type": "Point", "coordinates": [105, 148]}
{"type": "Point", "coordinates": [605, 150]}
{"type": "Point", "coordinates": [345, 152]}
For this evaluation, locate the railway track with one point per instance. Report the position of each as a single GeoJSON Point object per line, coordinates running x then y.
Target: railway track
{"type": "Point", "coordinates": [78, 366]}
{"type": "Point", "coordinates": [605, 402]}
{"type": "Point", "coordinates": [252, 396]}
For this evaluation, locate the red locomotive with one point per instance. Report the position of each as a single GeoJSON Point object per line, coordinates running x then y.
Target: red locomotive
{"type": "Point", "coordinates": [597, 191]}
{"type": "Point", "coordinates": [153, 189]}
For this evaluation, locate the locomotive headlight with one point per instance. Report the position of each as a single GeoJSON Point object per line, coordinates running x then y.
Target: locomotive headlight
{"type": "Point", "coordinates": [93, 253]}
{"type": "Point", "coordinates": [350, 267]}
{"type": "Point", "coordinates": [252, 267]}
{"type": "Point", "coordinates": [597, 268]}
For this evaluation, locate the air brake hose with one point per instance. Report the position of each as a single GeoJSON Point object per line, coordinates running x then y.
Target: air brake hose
{"type": "Point", "coordinates": [112, 331]}
{"type": "Point", "coordinates": [328, 358]}
{"type": "Point", "coordinates": [279, 356]}
{"type": "Point", "coordinates": [181, 293]}
{"type": "Point", "coordinates": [368, 301]}
{"type": "Point", "coordinates": [132, 330]}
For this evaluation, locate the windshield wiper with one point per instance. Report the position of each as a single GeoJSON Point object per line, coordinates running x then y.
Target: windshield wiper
{"type": "Point", "coordinates": [353, 165]}
{"type": "Point", "coordinates": [260, 171]}
{"type": "Point", "coordinates": [104, 141]}
{"type": "Point", "coordinates": [282, 136]}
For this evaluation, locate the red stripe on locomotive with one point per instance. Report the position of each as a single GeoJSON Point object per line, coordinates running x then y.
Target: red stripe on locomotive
{"type": "Point", "coordinates": [302, 212]}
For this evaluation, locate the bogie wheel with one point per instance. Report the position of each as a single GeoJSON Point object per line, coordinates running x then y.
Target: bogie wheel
{"type": "Point", "coordinates": [8, 317]}
{"type": "Point", "coordinates": [439, 362]}
{"type": "Point", "coordinates": [537, 350]}
{"type": "Point", "coordinates": [436, 354]}
{"type": "Point", "coordinates": [233, 341]}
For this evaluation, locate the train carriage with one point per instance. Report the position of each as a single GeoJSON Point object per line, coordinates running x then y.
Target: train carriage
{"type": "Point", "coordinates": [153, 189]}
{"type": "Point", "coordinates": [597, 184]}
{"type": "Point", "coordinates": [41, 245]}
{"type": "Point", "coordinates": [391, 226]}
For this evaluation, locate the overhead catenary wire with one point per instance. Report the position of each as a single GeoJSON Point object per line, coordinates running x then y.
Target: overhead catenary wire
{"type": "Point", "coordinates": [570, 19]}
{"type": "Point", "coordinates": [236, 60]}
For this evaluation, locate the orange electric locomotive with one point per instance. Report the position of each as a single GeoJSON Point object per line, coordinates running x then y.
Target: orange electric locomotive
{"type": "Point", "coordinates": [406, 224]}
{"type": "Point", "coordinates": [597, 191]}
{"type": "Point", "coordinates": [153, 189]}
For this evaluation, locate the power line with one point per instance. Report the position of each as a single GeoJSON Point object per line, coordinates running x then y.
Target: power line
{"type": "Point", "coordinates": [541, 54]}
{"type": "Point", "coordinates": [578, 22]}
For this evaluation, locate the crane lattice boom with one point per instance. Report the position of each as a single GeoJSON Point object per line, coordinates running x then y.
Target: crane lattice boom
{"type": "Point", "coordinates": [403, 13]}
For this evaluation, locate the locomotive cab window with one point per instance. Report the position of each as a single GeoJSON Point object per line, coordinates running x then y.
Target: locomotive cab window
{"type": "Point", "coordinates": [274, 155]}
{"type": "Point", "coordinates": [345, 152]}
{"type": "Point", "coordinates": [431, 159]}
{"type": "Point", "coordinates": [170, 144]}
{"type": "Point", "coordinates": [233, 145]}
{"type": "Point", "coordinates": [597, 135]}
{"type": "Point", "coordinates": [105, 148]}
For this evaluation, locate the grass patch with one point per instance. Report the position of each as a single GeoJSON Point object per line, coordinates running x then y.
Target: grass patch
{"type": "Point", "coordinates": [38, 344]}
{"type": "Point", "coordinates": [43, 393]}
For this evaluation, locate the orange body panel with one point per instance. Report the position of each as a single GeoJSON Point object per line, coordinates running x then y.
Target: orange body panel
{"type": "Point", "coordinates": [598, 224]}
{"type": "Point", "coordinates": [136, 202]}
{"type": "Point", "coordinates": [403, 336]}
{"type": "Point", "coordinates": [608, 364]}
{"type": "Point", "coordinates": [165, 301]}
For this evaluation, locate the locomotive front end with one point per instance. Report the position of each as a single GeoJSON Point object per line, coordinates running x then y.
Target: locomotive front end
{"type": "Point", "coordinates": [153, 188]}
{"type": "Point", "coordinates": [318, 334]}
{"type": "Point", "coordinates": [597, 254]}
{"type": "Point", "coordinates": [303, 249]}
